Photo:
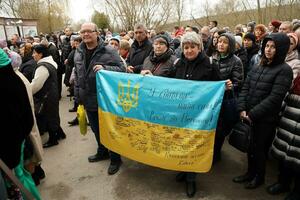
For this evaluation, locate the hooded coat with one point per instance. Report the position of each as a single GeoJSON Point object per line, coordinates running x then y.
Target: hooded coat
{"type": "Point", "coordinates": [229, 67]}
{"type": "Point", "coordinates": [266, 85]}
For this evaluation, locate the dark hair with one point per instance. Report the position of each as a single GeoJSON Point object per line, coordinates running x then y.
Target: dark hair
{"type": "Point", "coordinates": [264, 60]}
{"type": "Point", "coordinates": [29, 38]}
{"type": "Point", "coordinates": [239, 34]}
{"type": "Point", "coordinates": [195, 29]}
{"type": "Point", "coordinates": [40, 48]}
{"type": "Point", "coordinates": [78, 39]}
{"type": "Point", "coordinates": [220, 32]}
{"type": "Point", "coordinates": [215, 22]}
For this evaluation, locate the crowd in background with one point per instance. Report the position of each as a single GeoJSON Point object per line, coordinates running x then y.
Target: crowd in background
{"type": "Point", "coordinates": [260, 65]}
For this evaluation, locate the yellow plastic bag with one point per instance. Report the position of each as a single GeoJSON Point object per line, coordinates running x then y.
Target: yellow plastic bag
{"type": "Point", "coordinates": [82, 119]}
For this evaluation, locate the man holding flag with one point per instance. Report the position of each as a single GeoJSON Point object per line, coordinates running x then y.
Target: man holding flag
{"type": "Point", "coordinates": [91, 56]}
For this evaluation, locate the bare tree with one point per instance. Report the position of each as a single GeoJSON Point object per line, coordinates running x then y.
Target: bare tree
{"type": "Point", "coordinates": [259, 15]}
{"type": "Point", "coordinates": [127, 13]}
{"type": "Point", "coordinates": [179, 10]}
{"type": "Point", "coordinates": [9, 7]}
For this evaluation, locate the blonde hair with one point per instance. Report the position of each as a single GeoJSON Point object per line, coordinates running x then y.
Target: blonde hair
{"type": "Point", "coordinates": [124, 44]}
{"type": "Point", "coordinates": [193, 38]}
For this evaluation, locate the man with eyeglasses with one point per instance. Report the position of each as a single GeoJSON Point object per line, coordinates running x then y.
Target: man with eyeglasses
{"type": "Point", "coordinates": [140, 49]}
{"type": "Point", "coordinates": [90, 57]}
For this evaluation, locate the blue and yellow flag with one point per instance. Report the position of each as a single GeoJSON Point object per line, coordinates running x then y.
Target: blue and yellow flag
{"type": "Point", "coordinates": [163, 122]}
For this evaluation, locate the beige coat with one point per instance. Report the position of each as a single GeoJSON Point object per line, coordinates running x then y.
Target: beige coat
{"type": "Point", "coordinates": [293, 61]}
{"type": "Point", "coordinates": [34, 135]}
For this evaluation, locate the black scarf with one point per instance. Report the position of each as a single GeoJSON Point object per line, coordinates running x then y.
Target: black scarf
{"type": "Point", "coordinates": [160, 59]}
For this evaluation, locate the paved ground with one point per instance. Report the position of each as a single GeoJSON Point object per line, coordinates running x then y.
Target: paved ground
{"type": "Point", "coordinates": [69, 175]}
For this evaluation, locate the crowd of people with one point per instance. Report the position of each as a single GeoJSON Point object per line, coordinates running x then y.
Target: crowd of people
{"type": "Point", "coordinates": [260, 66]}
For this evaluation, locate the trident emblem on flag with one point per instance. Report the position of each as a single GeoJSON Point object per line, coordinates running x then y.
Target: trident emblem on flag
{"type": "Point", "coordinates": [128, 98]}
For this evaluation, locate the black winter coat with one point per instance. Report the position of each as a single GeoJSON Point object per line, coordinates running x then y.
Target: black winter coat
{"type": "Point", "coordinates": [242, 54]}
{"type": "Point", "coordinates": [27, 67]}
{"type": "Point", "coordinates": [286, 145]}
{"type": "Point", "coordinates": [230, 67]}
{"type": "Point", "coordinates": [56, 57]}
{"type": "Point", "coordinates": [137, 54]}
{"type": "Point", "coordinates": [266, 85]}
{"type": "Point", "coordinates": [199, 69]}
{"type": "Point", "coordinates": [17, 119]}
{"type": "Point", "coordinates": [85, 77]}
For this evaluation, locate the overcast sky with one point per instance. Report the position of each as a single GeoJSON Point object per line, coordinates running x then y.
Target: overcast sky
{"type": "Point", "coordinates": [80, 9]}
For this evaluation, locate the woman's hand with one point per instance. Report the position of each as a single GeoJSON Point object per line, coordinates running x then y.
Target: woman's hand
{"type": "Point", "coordinates": [97, 68]}
{"type": "Point", "coordinates": [130, 69]}
{"type": "Point", "coordinates": [146, 72]}
{"type": "Point", "coordinates": [228, 84]}
{"type": "Point", "coordinates": [243, 114]}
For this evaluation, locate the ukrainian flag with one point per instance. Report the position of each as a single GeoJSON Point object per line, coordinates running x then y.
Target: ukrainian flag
{"type": "Point", "coordinates": [163, 122]}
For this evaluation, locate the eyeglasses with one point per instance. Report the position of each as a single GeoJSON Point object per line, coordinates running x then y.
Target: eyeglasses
{"type": "Point", "coordinates": [87, 31]}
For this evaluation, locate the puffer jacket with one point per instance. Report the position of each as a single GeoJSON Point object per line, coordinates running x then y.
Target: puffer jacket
{"type": "Point", "coordinates": [293, 61]}
{"type": "Point", "coordinates": [286, 145]}
{"type": "Point", "coordinates": [242, 54]}
{"type": "Point", "coordinates": [85, 77]}
{"type": "Point", "coordinates": [266, 86]}
{"type": "Point", "coordinates": [229, 67]}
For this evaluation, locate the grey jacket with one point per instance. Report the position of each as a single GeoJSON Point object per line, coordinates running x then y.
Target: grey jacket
{"type": "Point", "coordinates": [85, 77]}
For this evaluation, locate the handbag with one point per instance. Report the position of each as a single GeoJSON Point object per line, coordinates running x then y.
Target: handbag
{"type": "Point", "coordinates": [241, 136]}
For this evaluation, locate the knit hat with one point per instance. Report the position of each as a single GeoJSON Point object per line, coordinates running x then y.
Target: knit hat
{"type": "Point", "coordinates": [275, 23]}
{"type": "Point", "coordinates": [238, 39]}
{"type": "Point", "coordinates": [4, 60]}
{"type": "Point", "coordinates": [250, 36]}
{"type": "Point", "coordinates": [116, 38]}
{"type": "Point", "coordinates": [294, 36]}
{"type": "Point", "coordinates": [162, 38]}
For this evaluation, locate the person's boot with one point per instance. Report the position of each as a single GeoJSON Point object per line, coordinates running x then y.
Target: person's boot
{"type": "Point", "coordinates": [277, 188]}
{"type": "Point", "coordinates": [114, 167]}
{"type": "Point", "coordinates": [98, 157]}
{"type": "Point", "coordinates": [51, 142]}
{"type": "Point", "coordinates": [243, 178]}
{"type": "Point", "coordinates": [255, 182]}
{"type": "Point", "coordinates": [74, 122]}
{"type": "Point", "coordinates": [190, 188]}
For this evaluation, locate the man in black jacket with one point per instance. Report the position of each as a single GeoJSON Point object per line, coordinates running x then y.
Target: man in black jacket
{"type": "Point", "coordinates": [140, 49]}
{"type": "Point", "coordinates": [91, 56]}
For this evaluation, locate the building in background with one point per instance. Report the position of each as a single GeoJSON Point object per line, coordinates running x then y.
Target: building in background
{"type": "Point", "coordinates": [22, 27]}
